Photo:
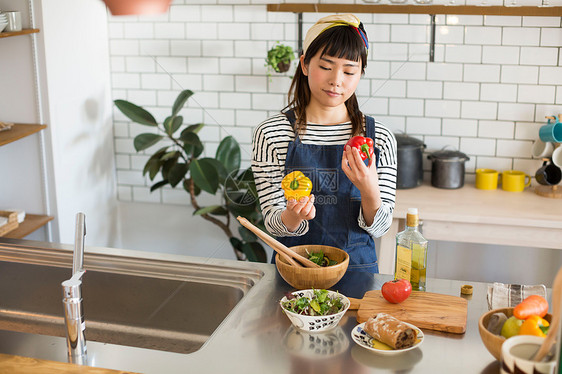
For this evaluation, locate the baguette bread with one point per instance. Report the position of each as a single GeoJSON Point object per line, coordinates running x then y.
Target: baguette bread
{"type": "Point", "coordinates": [391, 331]}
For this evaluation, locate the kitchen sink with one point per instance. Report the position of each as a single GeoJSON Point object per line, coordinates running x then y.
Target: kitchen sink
{"type": "Point", "coordinates": [154, 304]}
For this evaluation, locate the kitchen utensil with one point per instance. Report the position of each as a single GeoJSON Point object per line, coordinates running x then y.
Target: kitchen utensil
{"type": "Point", "coordinates": [447, 169]}
{"type": "Point", "coordinates": [486, 179]}
{"type": "Point", "coordinates": [552, 131]}
{"type": "Point", "coordinates": [280, 248]}
{"type": "Point", "coordinates": [14, 21]}
{"type": "Point", "coordinates": [516, 355]}
{"type": "Point", "coordinates": [315, 323]}
{"type": "Point", "coordinates": [426, 310]}
{"type": "Point", "coordinates": [548, 174]}
{"type": "Point", "coordinates": [493, 342]}
{"type": "Point", "coordinates": [556, 299]}
{"type": "Point", "coordinates": [557, 157]}
{"type": "Point", "coordinates": [514, 180]}
{"type": "Point", "coordinates": [321, 277]}
{"type": "Point", "coordinates": [409, 171]}
{"type": "Point", "coordinates": [361, 338]}
{"type": "Point", "coordinates": [541, 149]}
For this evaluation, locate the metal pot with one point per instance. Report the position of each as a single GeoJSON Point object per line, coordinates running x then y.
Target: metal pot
{"type": "Point", "coordinates": [447, 169]}
{"type": "Point", "coordinates": [409, 171]}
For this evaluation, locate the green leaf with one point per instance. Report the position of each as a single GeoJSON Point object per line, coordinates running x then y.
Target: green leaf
{"type": "Point", "coordinates": [228, 153]}
{"type": "Point", "coordinates": [254, 252]}
{"type": "Point", "coordinates": [208, 209]}
{"type": "Point", "coordinates": [152, 167]}
{"type": "Point", "coordinates": [158, 185]}
{"type": "Point", "coordinates": [236, 243]}
{"type": "Point", "coordinates": [194, 128]}
{"type": "Point", "coordinates": [204, 175]}
{"type": "Point", "coordinates": [247, 235]}
{"type": "Point", "coordinates": [221, 171]}
{"type": "Point", "coordinates": [168, 165]}
{"type": "Point", "coordinates": [180, 101]}
{"type": "Point", "coordinates": [136, 113]}
{"type": "Point", "coordinates": [143, 141]}
{"type": "Point", "coordinates": [240, 202]}
{"type": "Point", "coordinates": [196, 190]}
{"type": "Point", "coordinates": [170, 155]}
{"type": "Point", "coordinates": [177, 173]}
{"type": "Point", "coordinates": [191, 139]}
{"type": "Point", "coordinates": [172, 124]}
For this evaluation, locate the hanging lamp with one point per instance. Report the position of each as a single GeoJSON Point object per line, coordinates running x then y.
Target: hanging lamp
{"type": "Point", "coordinates": [136, 7]}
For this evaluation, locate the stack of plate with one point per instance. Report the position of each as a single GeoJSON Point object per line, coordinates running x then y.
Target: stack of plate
{"type": "Point", "coordinates": [3, 21]}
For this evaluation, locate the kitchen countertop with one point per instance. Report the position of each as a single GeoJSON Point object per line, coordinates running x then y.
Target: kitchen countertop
{"type": "Point", "coordinates": [257, 338]}
{"type": "Point", "coordinates": [471, 215]}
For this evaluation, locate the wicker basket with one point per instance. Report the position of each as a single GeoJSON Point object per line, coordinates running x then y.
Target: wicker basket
{"type": "Point", "coordinates": [12, 222]}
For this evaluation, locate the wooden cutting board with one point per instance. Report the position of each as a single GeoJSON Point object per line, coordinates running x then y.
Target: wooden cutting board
{"type": "Point", "coordinates": [425, 310]}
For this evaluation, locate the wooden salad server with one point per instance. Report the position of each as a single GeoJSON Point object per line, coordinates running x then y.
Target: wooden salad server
{"type": "Point", "coordinates": [285, 252]}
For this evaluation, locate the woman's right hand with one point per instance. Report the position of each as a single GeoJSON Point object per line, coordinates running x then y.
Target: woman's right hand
{"type": "Point", "coordinates": [297, 211]}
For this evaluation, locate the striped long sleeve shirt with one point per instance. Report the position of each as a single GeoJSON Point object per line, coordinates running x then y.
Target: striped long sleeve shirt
{"type": "Point", "coordinates": [270, 143]}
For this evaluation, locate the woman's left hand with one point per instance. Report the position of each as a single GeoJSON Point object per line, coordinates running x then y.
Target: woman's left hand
{"type": "Point", "coordinates": [365, 178]}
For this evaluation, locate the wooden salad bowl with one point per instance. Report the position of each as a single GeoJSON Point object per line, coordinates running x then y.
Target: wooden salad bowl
{"type": "Point", "coordinates": [319, 278]}
{"type": "Point", "coordinates": [492, 342]}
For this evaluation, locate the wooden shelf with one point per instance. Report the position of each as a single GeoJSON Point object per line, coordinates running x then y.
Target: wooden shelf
{"type": "Point", "coordinates": [16, 33]}
{"type": "Point", "coordinates": [31, 223]}
{"type": "Point", "coordinates": [18, 131]}
{"type": "Point", "coordinates": [553, 11]}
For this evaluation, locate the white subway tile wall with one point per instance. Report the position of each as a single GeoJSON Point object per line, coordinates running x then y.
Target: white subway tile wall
{"type": "Point", "coordinates": [493, 81]}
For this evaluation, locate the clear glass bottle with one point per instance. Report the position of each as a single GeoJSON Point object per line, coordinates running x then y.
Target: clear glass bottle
{"type": "Point", "coordinates": [411, 253]}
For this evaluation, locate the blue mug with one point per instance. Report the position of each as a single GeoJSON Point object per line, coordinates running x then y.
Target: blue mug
{"type": "Point", "coordinates": [551, 132]}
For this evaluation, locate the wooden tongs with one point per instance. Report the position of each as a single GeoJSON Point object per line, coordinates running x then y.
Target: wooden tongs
{"type": "Point", "coordinates": [288, 254]}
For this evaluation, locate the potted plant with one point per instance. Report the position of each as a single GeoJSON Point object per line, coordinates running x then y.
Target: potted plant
{"type": "Point", "coordinates": [279, 58]}
{"type": "Point", "coordinates": [179, 162]}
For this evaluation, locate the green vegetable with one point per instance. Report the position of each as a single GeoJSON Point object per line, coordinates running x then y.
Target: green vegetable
{"type": "Point", "coordinates": [321, 304]}
{"type": "Point", "coordinates": [320, 259]}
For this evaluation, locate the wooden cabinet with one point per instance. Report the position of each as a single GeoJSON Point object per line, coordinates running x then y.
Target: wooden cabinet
{"type": "Point", "coordinates": [18, 131]}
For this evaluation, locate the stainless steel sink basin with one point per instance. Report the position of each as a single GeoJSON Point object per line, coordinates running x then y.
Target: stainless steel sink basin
{"type": "Point", "coordinates": [159, 305]}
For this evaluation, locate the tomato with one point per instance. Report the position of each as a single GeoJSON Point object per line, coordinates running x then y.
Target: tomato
{"type": "Point", "coordinates": [396, 291]}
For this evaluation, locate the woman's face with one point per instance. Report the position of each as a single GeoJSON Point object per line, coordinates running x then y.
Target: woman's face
{"type": "Point", "coordinates": [331, 80]}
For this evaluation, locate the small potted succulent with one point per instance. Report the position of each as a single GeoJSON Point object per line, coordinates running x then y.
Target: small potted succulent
{"type": "Point", "coordinates": [279, 58]}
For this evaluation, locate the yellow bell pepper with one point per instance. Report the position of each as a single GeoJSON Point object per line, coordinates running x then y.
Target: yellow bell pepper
{"type": "Point", "coordinates": [296, 185]}
{"type": "Point", "coordinates": [534, 325]}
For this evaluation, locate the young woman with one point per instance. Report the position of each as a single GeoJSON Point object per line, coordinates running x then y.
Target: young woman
{"type": "Point", "coordinates": [352, 200]}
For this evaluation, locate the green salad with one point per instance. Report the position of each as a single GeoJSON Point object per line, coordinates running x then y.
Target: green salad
{"type": "Point", "coordinates": [321, 304]}
{"type": "Point", "coordinates": [321, 259]}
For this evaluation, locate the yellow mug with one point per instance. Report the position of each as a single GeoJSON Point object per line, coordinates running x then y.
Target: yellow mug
{"type": "Point", "coordinates": [514, 181]}
{"type": "Point", "coordinates": [486, 179]}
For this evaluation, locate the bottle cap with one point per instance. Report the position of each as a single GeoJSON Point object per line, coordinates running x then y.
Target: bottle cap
{"type": "Point", "coordinates": [466, 289]}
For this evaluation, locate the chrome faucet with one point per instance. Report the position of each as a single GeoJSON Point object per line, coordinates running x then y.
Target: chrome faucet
{"type": "Point", "coordinates": [72, 299]}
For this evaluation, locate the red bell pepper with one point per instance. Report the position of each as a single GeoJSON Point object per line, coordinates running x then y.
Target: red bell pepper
{"type": "Point", "coordinates": [363, 144]}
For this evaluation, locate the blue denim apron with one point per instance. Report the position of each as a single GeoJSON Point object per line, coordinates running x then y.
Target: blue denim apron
{"type": "Point", "coordinates": [337, 201]}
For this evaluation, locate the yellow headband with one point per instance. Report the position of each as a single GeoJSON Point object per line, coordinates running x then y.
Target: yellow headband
{"type": "Point", "coordinates": [325, 23]}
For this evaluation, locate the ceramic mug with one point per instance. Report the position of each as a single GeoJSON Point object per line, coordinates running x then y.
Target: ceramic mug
{"type": "Point", "coordinates": [548, 174]}
{"type": "Point", "coordinates": [551, 132]}
{"type": "Point", "coordinates": [486, 179]}
{"type": "Point", "coordinates": [514, 181]}
{"type": "Point", "coordinates": [542, 149]}
{"type": "Point", "coordinates": [516, 355]}
{"type": "Point", "coordinates": [557, 157]}
{"type": "Point", "coordinates": [14, 21]}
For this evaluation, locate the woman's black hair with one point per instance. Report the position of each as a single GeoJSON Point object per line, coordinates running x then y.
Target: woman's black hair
{"type": "Point", "coordinates": [340, 42]}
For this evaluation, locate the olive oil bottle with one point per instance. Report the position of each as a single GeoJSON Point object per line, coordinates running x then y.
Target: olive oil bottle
{"type": "Point", "coordinates": [411, 253]}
